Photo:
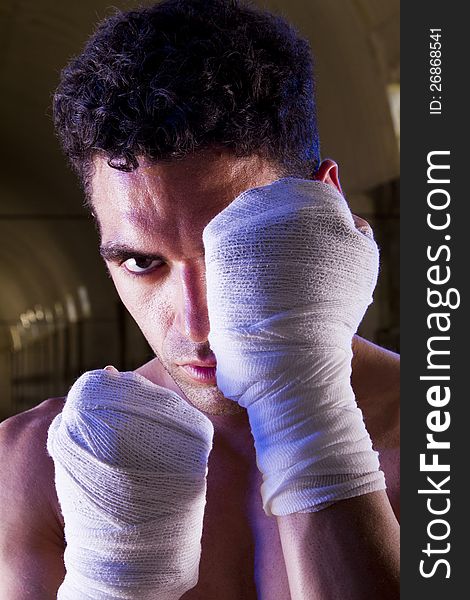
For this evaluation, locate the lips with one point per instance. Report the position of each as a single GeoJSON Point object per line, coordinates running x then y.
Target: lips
{"type": "Point", "coordinates": [202, 371]}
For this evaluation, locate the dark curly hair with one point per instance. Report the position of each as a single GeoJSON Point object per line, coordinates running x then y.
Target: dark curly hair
{"type": "Point", "coordinates": [185, 75]}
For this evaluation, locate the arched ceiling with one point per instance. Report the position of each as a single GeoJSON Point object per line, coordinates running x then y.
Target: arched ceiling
{"type": "Point", "coordinates": [47, 243]}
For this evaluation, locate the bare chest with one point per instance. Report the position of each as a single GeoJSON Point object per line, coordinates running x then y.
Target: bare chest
{"type": "Point", "coordinates": [241, 550]}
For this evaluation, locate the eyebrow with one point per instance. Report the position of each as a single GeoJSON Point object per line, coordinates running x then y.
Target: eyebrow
{"type": "Point", "coordinates": [115, 252]}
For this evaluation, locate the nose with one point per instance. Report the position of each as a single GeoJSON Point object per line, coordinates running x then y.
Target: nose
{"type": "Point", "coordinates": [192, 317]}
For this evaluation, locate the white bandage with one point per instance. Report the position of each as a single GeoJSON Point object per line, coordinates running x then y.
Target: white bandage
{"type": "Point", "coordinates": [130, 465]}
{"type": "Point", "coordinates": [289, 278]}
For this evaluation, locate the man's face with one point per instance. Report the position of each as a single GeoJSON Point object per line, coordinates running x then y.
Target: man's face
{"type": "Point", "coordinates": [151, 223]}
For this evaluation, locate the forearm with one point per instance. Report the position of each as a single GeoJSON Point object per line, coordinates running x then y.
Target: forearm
{"type": "Point", "coordinates": [349, 550]}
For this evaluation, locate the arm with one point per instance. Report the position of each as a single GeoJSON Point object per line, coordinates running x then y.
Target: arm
{"type": "Point", "coordinates": [288, 361]}
{"type": "Point", "coordinates": [349, 550]}
{"type": "Point", "coordinates": [31, 533]}
{"type": "Point", "coordinates": [321, 549]}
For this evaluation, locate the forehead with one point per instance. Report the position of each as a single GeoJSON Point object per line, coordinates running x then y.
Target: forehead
{"type": "Point", "coordinates": [172, 200]}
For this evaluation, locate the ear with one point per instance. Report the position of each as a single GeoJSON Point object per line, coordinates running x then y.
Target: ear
{"type": "Point", "coordinates": [328, 173]}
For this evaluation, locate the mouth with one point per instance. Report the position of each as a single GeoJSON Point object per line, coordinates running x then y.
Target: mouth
{"type": "Point", "coordinates": [201, 372]}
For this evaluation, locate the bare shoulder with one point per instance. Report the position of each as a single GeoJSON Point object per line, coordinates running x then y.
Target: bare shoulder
{"type": "Point", "coordinates": [22, 425]}
{"type": "Point", "coordinates": [27, 473]}
{"type": "Point", "coordinates": [23, 438]}
{"type": "Point", "coordinates": [376, 383]}
{"type": "Point", "coordinates": [31, 527]}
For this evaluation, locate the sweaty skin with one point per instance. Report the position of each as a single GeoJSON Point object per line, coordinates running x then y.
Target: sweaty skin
{"type": "Point", "coordinates": [151, 224]}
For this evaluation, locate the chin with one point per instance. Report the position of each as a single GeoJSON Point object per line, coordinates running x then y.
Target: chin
{"type": "Point", "coordinates": [208, 399]}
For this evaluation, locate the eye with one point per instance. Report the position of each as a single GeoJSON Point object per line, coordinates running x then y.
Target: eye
{"type": "Point", "coordinates": [141, 264]}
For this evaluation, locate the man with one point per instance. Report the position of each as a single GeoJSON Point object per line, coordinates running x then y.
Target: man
{"type": "Point", "coordinates": [168, 115]}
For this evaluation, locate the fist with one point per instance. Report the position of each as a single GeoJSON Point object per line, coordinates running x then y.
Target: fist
{"type": "Point", "coordinates": [130, 461]}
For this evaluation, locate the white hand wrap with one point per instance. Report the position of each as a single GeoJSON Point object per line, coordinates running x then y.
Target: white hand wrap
{"type": "Point", "coordinates": [289, 278]}
{"type": "Point", "coordinates": [131, 462]}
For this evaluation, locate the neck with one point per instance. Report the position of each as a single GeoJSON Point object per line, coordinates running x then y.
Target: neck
{"type": "Point", "coordinates": [233, 435]}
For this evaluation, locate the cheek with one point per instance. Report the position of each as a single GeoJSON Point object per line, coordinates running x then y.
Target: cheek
{"type": "Point", "coordinates": [149, 305]}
